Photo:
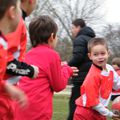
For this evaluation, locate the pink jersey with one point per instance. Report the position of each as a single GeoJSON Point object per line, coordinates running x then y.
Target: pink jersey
{"type": "Point", "coordinates": [52, 77]}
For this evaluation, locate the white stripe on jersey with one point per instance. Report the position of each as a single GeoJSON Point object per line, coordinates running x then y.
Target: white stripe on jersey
{"type": "Point", "coordinates": [3, 43]}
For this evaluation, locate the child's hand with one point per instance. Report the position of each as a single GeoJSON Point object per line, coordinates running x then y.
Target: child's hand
{"type": "Point", "coordinates": [64, 63]}
{"type": "Point", "coordinates": [115, 117]}
{"type": "Point", "coordinates": [36, 71]}
{"type": "Point", "coordinates": [16, 94]}
{"type": "Point", "coordinates": [75, 71]}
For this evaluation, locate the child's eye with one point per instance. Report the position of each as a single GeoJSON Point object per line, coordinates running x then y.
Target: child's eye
{"type": "Point", "coordinates": [103, 53]}
{"type": "Point", "coordinates": [95, 54]}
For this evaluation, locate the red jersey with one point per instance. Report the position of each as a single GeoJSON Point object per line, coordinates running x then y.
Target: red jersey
{"type": "Point", "coordinates": [17, 42]}
{"type": "Point", "coordinates": [16, 46]}
{"type": "Point", "coordinates": [5, 108]}
{"type": "Point", "coordinates": [52, 77]}
{"type": "Point", "coordinates": [3, 55]}
{"type": "Point", "coordinates": [97, 88]}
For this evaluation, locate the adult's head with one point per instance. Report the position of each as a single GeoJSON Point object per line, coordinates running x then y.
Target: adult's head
{"type": "Point", "coordinates": [28, 6]}
{"type": "Point", "coordinates": [43, 30]}
{"type": "Point", "coordinates": [77, 25]}
{"type": "Point", "coordinates": [10, 14]}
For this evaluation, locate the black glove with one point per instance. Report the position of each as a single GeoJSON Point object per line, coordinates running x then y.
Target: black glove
{"type": "Point", "coordinates": [18, 68]}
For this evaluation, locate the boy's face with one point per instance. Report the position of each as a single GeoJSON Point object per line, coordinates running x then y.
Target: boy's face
{"type": "Point", "coordinates": [15, 16]}
{"type": "Point", "coordinates": [32, 5]}
{"type": "Point", "coordinates": [115, 66]}
{"type": "Point", "coordinates": [99, 55]}
{"type": "Point", "coordinates": [28, 6]}
{"type": "Point", "coordinates": [75, 30]}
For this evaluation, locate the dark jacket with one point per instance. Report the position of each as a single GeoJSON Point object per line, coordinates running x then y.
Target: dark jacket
{"type": "Point", "coordinates": [80, 58]}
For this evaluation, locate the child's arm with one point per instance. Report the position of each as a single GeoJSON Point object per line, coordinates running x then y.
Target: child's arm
{"type": "Point", "coordinates": [74, 69]}
{"type": "Point", "coordinates": [59, 75]}
{"type": "Point", "coordinates": [18, 68]}
{"type": "Point", "coordinates": [104, 111]}
{"type": "Point", "coordinates": [16, 94]}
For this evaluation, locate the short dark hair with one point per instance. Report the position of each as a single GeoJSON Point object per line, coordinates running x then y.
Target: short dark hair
{"type": "Point", "coordinates": [96, 41]}
{"type": "Point", "coordinates": [24, 0]}
{"type": "Point", "coordinates": [5, 4]}
{"type": "Point", "coordinates": [116, 61]}
{"type": "Point", "coordinates": [41, 28]}
{"type": "Point", "coordinates": [79, 22]}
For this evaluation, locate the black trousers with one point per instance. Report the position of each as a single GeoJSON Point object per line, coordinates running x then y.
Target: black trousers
{"type": "Point", "coordinates": [75, 93]}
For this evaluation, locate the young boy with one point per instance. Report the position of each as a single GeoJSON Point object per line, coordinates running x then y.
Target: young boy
{"type": "Point", "coordinates": [16, 68]}
{"type": "Point", "coordinates": [27, 7]}
{"type": "Point", "coordinates": [116, 66]}
{"type": "Point", "coordinates": [97, 88]}
{"type": "Point", "coordinates": [52, 76]}
{"type": "Point", "coordinates": [17, 47]}
{"type": "Point", "coordinates": [10, 14]}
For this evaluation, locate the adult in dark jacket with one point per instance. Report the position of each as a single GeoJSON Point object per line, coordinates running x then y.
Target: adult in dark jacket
{"type": "Point", "coordinates": [82, 34]}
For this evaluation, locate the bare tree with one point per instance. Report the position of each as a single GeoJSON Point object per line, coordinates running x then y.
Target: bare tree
{"type": "Point", "coordinates": [64, 47]}
{"type": "Point", "coordinates": [64, 11]}
{"type": "Point", "coordinates": [112, 34]}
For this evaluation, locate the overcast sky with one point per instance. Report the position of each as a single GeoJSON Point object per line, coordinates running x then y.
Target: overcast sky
{"type": "Point", "coordinates": [113, 11]}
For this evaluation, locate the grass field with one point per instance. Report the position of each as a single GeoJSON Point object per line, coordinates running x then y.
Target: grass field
{"type": "Point", "coordinates": [60, 107]}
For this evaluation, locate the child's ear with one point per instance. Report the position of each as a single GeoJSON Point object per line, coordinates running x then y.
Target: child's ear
{"type": "Point", "coordinates": [89, 55]}
{"type": "Point", "coordinates": [11, 12]}
{"type": "Point", "coordinates": [52, 35]}
{"type": "Point", "coordinates": [51, 38]}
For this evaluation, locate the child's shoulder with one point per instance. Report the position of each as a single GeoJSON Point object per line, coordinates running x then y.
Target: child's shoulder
{"type": "Point", "coordinates": [44, 50]}
{"type": "Point", "coordinates": [49, 50]}
{"type": "Point", "coordinates": [54, 53]}
{"type": "Point", "coordinates": [3, 42]}
{"type": "Point", "coordinates": [109, 67]}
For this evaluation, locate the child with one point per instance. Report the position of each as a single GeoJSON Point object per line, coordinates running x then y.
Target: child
{"type": "Point", "coordinates": [116, 66]}
{"type": "Point", "coordinates": [15, 55]}
{"type": "Point", "coordinates": [17, 47]}
{"type": "Point", "coordinates": [52, 76]}
{"type": "Point", "coordinates": [97, 87]}
{"type": "Point", "coordinates": [10, 14]}
{"type": "Point", "coordinates": [27, 7]}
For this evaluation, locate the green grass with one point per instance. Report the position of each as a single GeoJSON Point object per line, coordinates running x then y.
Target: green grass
{"type": "Point", "coordinates": [60, 107]}
{"type": "Point", "coordinates": [109, 109]}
